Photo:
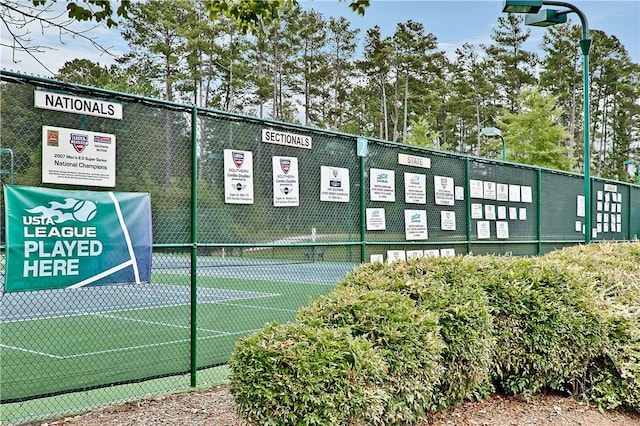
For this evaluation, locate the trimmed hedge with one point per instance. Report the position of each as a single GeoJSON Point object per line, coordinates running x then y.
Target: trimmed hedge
{"type": "Point", "coordinates": [394, 342]}
{"type": "Point", "coordinates": [613, 378]}
{"type": "Point", "coordinates": [405, 335]}
{"type": "Point", "coordinates": [451, 287]}
{"type": "Point", "coordinates": [294, 374]}
{"type": "Point", "coordinates": [547, 325]}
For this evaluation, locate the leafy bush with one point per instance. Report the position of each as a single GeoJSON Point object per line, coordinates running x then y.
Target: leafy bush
{"type": "Point", "coordinates": [613, 378]}
{"type": "Point", "coordinates": [295, 374]}
{"type": "Point", "coordinates": [548, 325]}
{"type": "Point", "coordinates": [405, 335]}
{"type": "Point", "coordinates": [452, 288]}
{"type": "Point", "coordinates": [394, 341]}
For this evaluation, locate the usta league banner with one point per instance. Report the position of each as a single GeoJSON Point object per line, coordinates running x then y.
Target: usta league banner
{"type": "Point", "coordinates": [70, 239]}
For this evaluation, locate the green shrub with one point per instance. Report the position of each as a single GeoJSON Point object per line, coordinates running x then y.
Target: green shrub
{"type": "Point", "coordinates": [405, 335]}
{"type": "Point", "coordinates": [452, 288]}
{"type": "Point", "coordinates": [548, 325]}
{"type": "Point", "coordinates": [294, 374]}
{"type": "Point", "coordinates": [614, 266]}
{"type": "Point", "coordinates": [394, 341]}
{"type": "Point", "coordinates": [613, 379]}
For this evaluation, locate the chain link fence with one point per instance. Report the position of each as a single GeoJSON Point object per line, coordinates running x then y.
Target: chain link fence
{"type": "Point", "coordinates": [232, 252]}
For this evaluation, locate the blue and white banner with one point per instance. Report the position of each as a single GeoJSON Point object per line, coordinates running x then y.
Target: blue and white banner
{"type": "Point", "coordinates": [71, 239]}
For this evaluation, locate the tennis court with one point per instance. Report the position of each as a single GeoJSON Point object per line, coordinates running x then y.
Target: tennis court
{"type": "Point", "coordinates": [57, 341]}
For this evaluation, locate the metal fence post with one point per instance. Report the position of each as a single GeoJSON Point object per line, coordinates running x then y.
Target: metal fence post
{"type": "Point", "coordinates": [538, 207]}
{"type": "Point", "coordinates": [194, 246]}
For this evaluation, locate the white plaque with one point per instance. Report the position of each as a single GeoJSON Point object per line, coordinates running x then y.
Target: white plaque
{"type": "Point", "coordinates": [286, 186]}
{"type": "Point", "coordinates": [415, 224]}
{"type": "Point", "coordinates": [382, 185]}
{"type": "Point", "coordinates": [415, 161]}
{"type": "Point", "coordinates": [580, 206]}
{"type": "Point", "coordinates": [415, 188]}
{"type": "Point", "coordinates": [395, 255]}
{"type": "Point", "coordinates": [443, 190]}
{"type": "Point", "coordinates": [334, 184]}
{"type": "Point", "coordinates": [447, 252]}
{"type": "Point", "coordinates": [375, 220]}
{"type": "Point", "coordinates": [484, 229]}
{"type": "Point", "coordinates": [415, 254]}
{"type": "Point", "coordinates": [502, 230]}
{"type": "Point", "coordinates": [287, 139]}
{"type": "Point", "coordinates": [502, 192]}
{"type": "Point", "coordinates": [490, 212]}
{"type": "Point", "coordinates": [522, 213]}
{"type": "Point", "coordinates": [489, 190]}
{"type": "Point", "coordinates": [238, 177]}
{"type": "Point", "coordinates": [77, 105]}
{"type": "Point", "coordinates": [475, 189]}
{"type": "Point", "coordinates": [476, 211]}
{"type": "Point", "coordinates": [513, 213]}
{"type": "Point", "coordinates": [448, 220]}
{"type": "Point", "coordinates": [514, 193]}
{"type": "Point", "coordinates": [78, 157]}
{"type": "Point", "coordinates": [502, 212]}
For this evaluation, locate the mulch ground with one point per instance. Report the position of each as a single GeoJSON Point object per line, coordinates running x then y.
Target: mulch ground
{"type": "Point", "coordinates": [215, 406]}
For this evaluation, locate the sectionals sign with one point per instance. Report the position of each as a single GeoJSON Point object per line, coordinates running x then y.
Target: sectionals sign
{"type": "Point", "coordinates": [288, 139]}
{"type": "Point", "coordinates": [77, 105]}
{"type": "Point", "coordinates": [71, 239]}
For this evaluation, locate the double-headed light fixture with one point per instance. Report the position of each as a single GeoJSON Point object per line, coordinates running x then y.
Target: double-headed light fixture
{"type": "Point", "coordinates": [539, 17]}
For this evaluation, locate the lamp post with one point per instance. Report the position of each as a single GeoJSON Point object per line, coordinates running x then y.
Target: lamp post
{"type": "Point", "coordinates": [636, 164]}
{"type": "Point", "coordinates": [545, 18]}
{"type": "Point", "coordinates": [494, 131]}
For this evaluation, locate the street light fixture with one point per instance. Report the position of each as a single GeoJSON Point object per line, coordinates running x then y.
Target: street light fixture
{"type": "Point", "coordinates": [636, 164]}
{"type": "Point", "coordinates": [549, 17]}
{"type": "Point", "coordinates": [522, 6]}
{"type": "Point", "coordinates": [546, 18]}
{"type": "Point", "coordinates": [493, 131]}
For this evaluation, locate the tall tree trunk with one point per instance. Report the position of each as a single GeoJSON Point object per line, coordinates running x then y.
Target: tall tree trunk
{"type": "Point", "coordinates": [168, 133]}
{"type": "Point", "coordinates": [405, 107]}
{"type": "Point", "coordinates": [384, 123]}
{"type": "Point", "coordinates": [396, 112]}
{"type": "Point", "coordinates": [276, 66]}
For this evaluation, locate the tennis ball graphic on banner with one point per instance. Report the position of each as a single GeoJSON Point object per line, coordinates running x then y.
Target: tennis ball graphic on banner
{"type": "Point", "coordinates": [84, 210]}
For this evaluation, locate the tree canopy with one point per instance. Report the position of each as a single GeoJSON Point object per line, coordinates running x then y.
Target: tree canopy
{"type": "Point", "coordinates": [275, 60]}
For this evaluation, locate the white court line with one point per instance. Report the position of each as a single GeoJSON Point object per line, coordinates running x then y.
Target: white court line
{"type": "Point", "coordinates": [104, 315]}
{"type": "Point", "coordinates": [164, 324]}
{"type": "Point", "coordinates": [77, 313]}
{"type": "Point", "coordinates": [266, 308]}
{"type": "Point", "coordinates": [152, 345]}
{"type": "Point", "coordinates": [128, 348]}
{"type": "Point", "coordinates": [31, 352]}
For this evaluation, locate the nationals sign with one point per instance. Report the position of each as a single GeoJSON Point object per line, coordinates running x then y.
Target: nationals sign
{"type": "Point", "coordinates": [69, 239]}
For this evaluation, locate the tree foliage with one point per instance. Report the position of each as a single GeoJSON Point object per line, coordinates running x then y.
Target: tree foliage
{"type": "Point", "coordinates": [274, 60]}
{"type": "Point", "coordinates": [533, 134]}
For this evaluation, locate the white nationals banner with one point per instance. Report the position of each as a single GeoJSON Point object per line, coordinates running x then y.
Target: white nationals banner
{"type": "Point", "coordinates": [69, 239]}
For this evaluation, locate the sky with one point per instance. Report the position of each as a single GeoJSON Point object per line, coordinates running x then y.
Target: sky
{"type": "Point", "coordinates": [452, 22]}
